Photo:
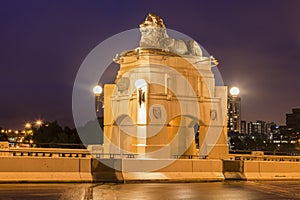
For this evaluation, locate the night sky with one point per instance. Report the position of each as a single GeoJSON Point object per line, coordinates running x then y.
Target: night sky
{"type": "Point", "coordinates": [43, 43]}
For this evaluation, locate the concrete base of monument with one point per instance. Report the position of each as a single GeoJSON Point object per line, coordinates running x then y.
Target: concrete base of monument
{"type": "Point", "coordinates": [156, 170]}
{"type": "Point", "coordinates": [176, 177]}
{"type": "Point", "coordinates": [185, 170]}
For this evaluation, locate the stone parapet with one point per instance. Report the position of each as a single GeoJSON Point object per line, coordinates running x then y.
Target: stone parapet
{"type": "Point", "coordinates": [261, 170]}
{"type": "Point", "coordinates": [184, 170]}
{"type": "Point", "coordinates": [43, 169]}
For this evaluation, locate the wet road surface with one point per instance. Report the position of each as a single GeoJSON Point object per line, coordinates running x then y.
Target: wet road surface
{"type": "Point", "coordinates": [204, 191]}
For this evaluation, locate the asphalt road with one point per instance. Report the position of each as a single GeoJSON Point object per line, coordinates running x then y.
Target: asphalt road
{"type": "Point", "coordinates": [204, 191]}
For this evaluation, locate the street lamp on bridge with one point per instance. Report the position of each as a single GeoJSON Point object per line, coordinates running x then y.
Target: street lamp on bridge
{"type": "Point", "coordinates": [97, 92]}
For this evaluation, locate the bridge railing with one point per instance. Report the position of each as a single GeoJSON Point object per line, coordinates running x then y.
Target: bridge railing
{"type": "Point", "coordinates": [56, 152]}
{"type": "Point", "coordinates": [84, 153]}
{"type": "Point", "coordinates": [244, 157]}
{"type": "Point", "coordinates": [190, 156]}
{"type": "Point", "coordinates": [44, 152]}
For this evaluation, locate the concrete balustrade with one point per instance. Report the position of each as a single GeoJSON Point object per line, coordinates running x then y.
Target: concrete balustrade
{"type": "Point", "coordinates": [68, 169]}
{"type": "Point", "coordinates": [45, 167]}
{"type": "Point", "coordinates": [271, 170]}
{"type": "Point", "coordinates": [261, 170]}
{"type": "Point", "coordinates": [40, 169]}
{"type": "Point", "coordinates": [184, 170]}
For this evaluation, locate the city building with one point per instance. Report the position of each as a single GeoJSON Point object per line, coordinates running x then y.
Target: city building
{"type": "Point", "coordinates": [289, 134]}
{"type": "Point", "coordinates": [243, 127]}
{"type": "Point", "coordinates": [270, 127]}
{"type": "Point", "coordinates": [293, 119]}
{"type": "Point", "coordinates": [258, 127]}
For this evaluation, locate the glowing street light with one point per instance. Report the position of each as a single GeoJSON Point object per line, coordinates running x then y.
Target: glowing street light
{"type": "Point", "coordinates": [27, 125]}
{"type": "Point", "coordinates": [97, 92]}
{"type": "Point", "coordinates": [38, 123]}
{"type": "Point", "coordinates": [234, 91]}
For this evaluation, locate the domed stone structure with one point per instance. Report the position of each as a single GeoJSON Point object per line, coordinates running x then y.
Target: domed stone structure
{"type": "Point", "coordinates": [165, 103]}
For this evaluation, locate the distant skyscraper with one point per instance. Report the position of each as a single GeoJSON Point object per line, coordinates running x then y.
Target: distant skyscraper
{"type": "Point", "coordinates": [270, 127]}
{"type": "Point", "coordinates": [243, 127]}
{"type": "Point", "coordinates": [234, 111]}
{"type": "Point", "coordinates": [293, 119]}
{"type": "Point", "coordinates": [258, 127]}
{"type": "Point", "coordinates": [250, 128]}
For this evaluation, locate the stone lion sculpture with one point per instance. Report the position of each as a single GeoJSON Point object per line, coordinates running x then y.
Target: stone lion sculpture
{"type": "Point", "coordinates": [154, 35]}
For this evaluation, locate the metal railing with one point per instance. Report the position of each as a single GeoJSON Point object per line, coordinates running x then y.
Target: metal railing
{"type": "Point", "coordinates": [44, 152]}
{"type": "Point", "coordinates": [55, 152]}
{"type": "Point", "coordinates": [189, 157]}
{"type": "Point", "coordinates": [84, 153]}
{"type": "Point", "coordinates": [244, 157]}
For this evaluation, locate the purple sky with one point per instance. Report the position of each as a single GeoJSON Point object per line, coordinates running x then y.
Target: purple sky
{"type": "Point", "coordinates": [43, 43]}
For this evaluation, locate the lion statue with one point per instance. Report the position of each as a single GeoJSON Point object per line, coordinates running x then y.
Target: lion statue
{"type": "Point", "coordinates": [154, 35]}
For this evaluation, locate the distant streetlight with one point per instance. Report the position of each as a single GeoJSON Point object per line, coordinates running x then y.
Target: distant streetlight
{"type": "Point", "coordinates": [97, 92]}
{"type": "Point", "coordinates": [38, 123]}
{"type": "Point", "coordinates": [234, 91]}
{"type": "Point", "coordinates": [28, 126]}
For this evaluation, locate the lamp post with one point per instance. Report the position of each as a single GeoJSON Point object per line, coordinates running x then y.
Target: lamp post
{"type": "Point", "coordinates": [234, 110]}
{"type": "Point", "coordinates": [97, 92]}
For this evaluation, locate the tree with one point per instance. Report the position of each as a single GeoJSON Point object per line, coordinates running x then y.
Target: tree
{"type": "Point", "coordinates": [52, 134]}
{"type": "Point", "coordinates": [236, 142]}
{"type": "Point", "coordinates": [3, 137]}
{"type": "Point", "coordinates": [91, 132]}
{"type": "Point", "coordinates": [47, 133]}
